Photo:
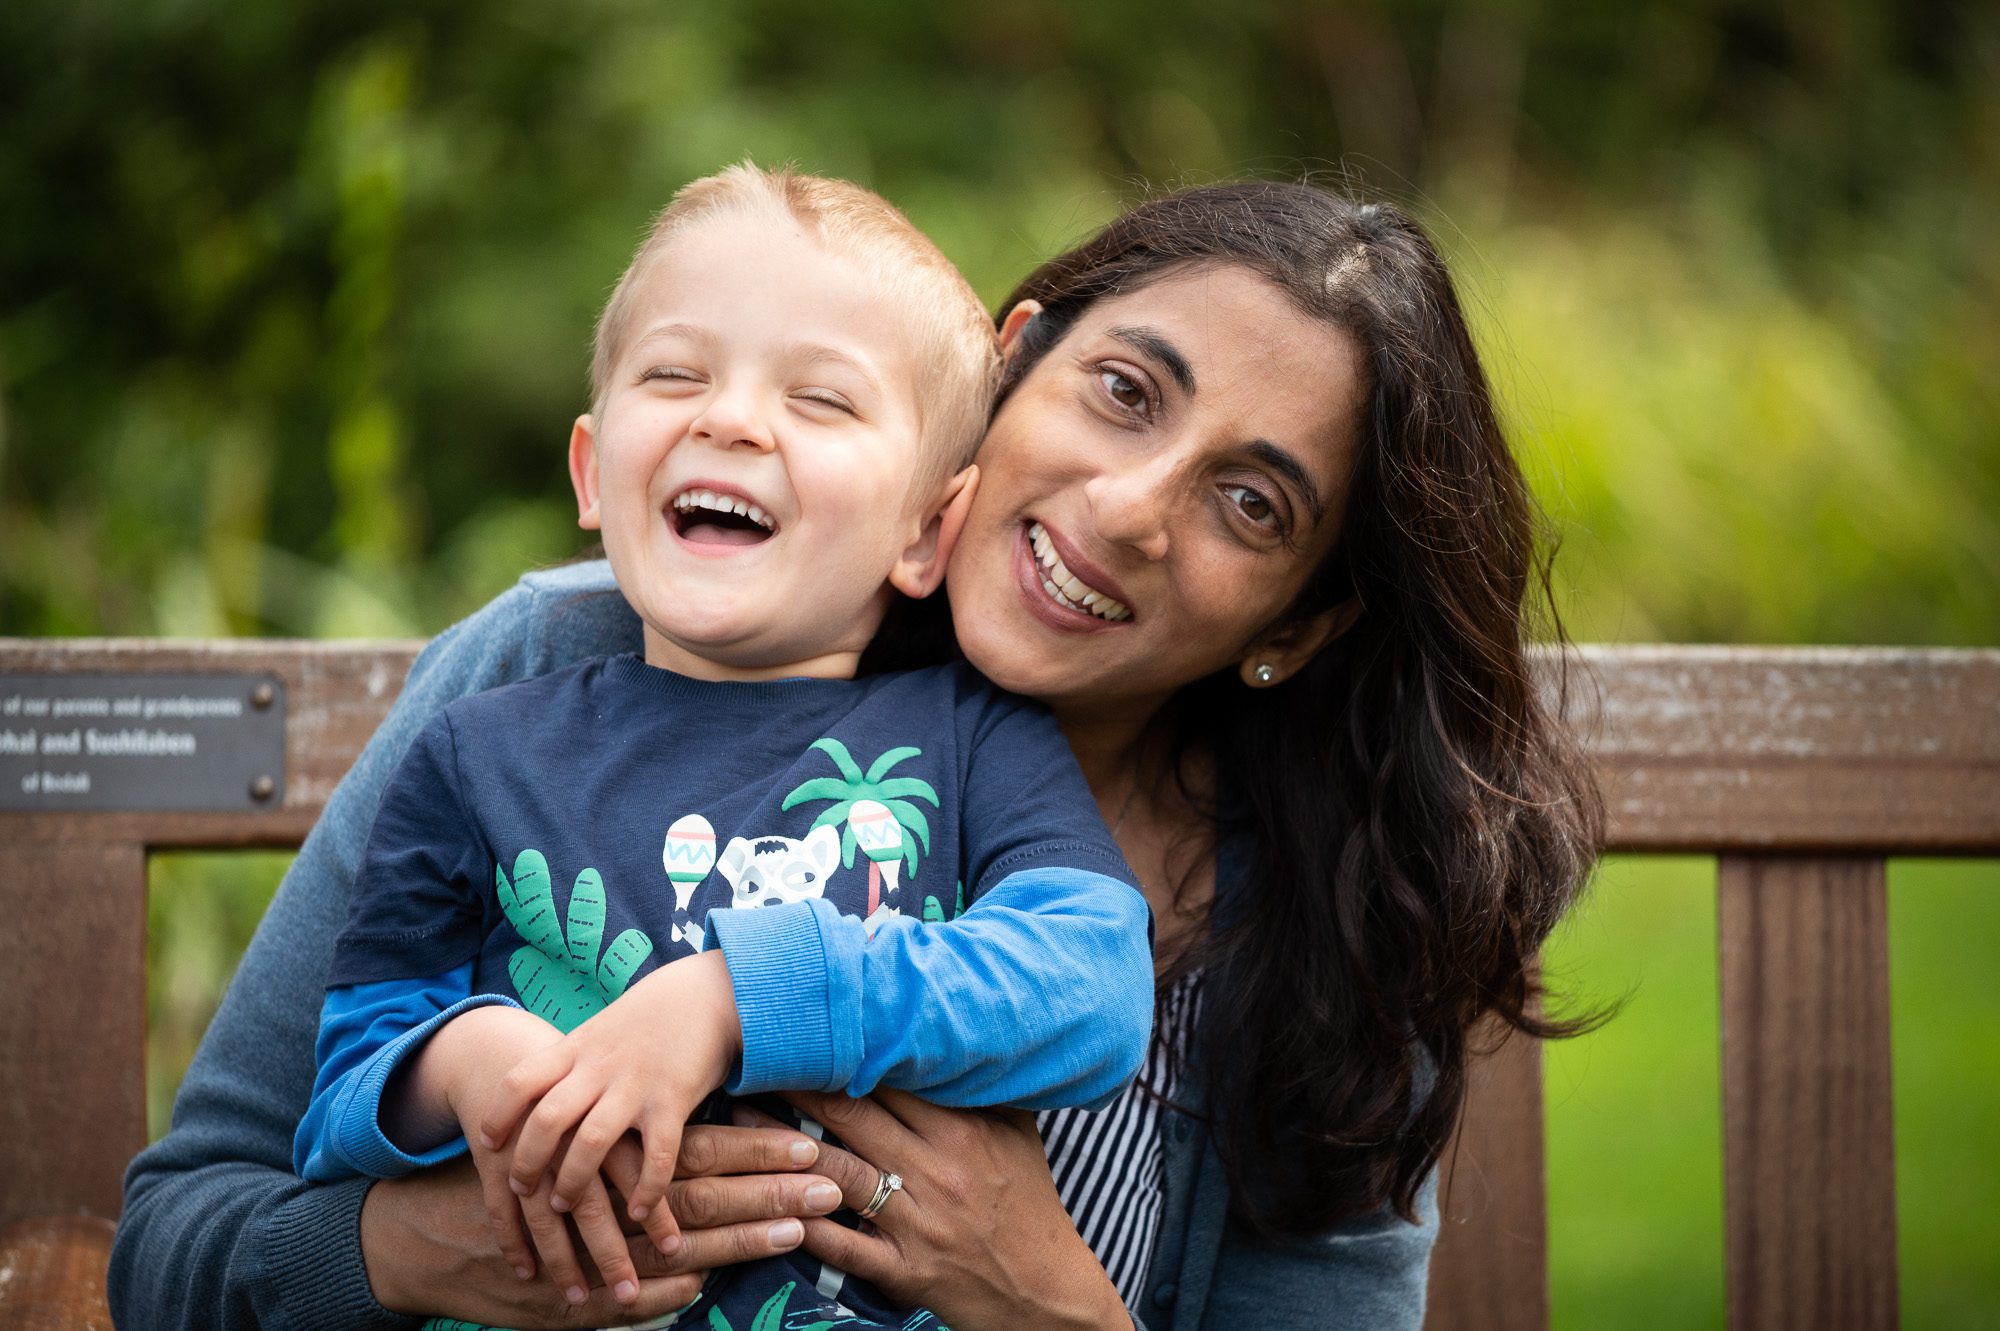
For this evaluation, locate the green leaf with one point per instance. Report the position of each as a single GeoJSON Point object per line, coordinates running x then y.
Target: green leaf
{"type": "Point", "coordinates": [819, 788]}
{"type": "Point", "coordinates": [837, 751]}
{"type": "Point", "coordinates": [910, 816]}
{"type": "Point", "coordinates": [529, 903]}
{"type": "Point", "coordinates": [771, 1316]}
{"type": "Point", "coordinates": [551, 990]}
{"type": "Point", "coordinates": [836, 814]}
{"type": "Point", "coordinates": [586, 918]}
{"type": "Point", "coordinates": [933, 911]}
{"type": "Point", "coordinates": [627, 953]}
{"type": "Point", "coordinates": [906, 785]}
{"type": "Point", "coordinates": [880, 767]}
{"type": "Point", "coordinates": [718, 1321]}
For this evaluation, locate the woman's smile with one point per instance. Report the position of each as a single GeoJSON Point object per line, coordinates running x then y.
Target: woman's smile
{"type": "Point", "coordinates": [1153, 502]}
{"type": "Point", "coordinates": [1047, 570]}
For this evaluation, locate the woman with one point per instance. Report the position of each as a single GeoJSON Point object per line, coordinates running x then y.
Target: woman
{"type": "Point", "coordinates": [1252, 416]}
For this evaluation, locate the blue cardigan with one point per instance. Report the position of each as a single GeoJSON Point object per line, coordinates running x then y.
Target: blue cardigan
{"type": "Point", "coordinates": [219, 1233]}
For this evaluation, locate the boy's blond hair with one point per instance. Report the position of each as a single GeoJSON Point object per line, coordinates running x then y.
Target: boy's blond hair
{"type": "Point", "coordinates": [957, 351]}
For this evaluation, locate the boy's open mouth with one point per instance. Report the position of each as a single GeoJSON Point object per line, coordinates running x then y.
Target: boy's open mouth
{"type": "Point", "coordinates": [704, 517]}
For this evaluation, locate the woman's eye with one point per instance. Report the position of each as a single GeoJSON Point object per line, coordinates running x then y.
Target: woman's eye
{"type": "Point", "coordinates": [1126, 392]}
{"type": "Point", "coordinates": [1253, 505]}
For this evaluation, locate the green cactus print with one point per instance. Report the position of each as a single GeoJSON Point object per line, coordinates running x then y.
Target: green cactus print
{"type": "Point", "coordinates": [934, 909]}
{"type": "Point", "coordinates": [559, 975]}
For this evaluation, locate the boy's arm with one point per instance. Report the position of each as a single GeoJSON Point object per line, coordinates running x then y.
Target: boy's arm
{"type": "Point", "coordinates": [415, 912]}
{"type": "Point", "coordinates": [1039, 996]}
{"type": "Point", "coordinates": [353, 1126]}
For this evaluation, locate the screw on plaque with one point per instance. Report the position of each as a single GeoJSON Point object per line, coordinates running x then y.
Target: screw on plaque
{"type": "Point", "coordinates": [263, 695]}
{"type": "Point", "coordinates": [262, 787]}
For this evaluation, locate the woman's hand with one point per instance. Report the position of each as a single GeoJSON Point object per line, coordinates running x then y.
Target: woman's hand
{"type": "Point", "coordinates": [977, 1234]}
{"type": "Point", "coordinates": [430, 1251]}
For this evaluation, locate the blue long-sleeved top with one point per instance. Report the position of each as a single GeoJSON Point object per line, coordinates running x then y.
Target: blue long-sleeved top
{"type": "Point", "coordinates": [219, 1233]}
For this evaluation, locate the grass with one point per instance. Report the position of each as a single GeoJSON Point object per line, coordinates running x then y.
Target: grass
{"type": "Point", "coordinates": [1634, 1111]}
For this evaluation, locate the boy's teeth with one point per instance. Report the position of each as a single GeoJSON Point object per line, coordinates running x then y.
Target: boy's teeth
{"type": "Point", "coordinates": [1066, 587]}
{"type": "Point", "coordinates": [708, 499]}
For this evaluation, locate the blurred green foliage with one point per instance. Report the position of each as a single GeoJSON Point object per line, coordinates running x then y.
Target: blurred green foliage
{"type": "Point", "coordinates": [295, 299]}
{"type": "Point", "coordinates": [295, 303]}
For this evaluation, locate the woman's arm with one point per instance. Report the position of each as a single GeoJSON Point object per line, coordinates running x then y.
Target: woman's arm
{"type": "Point", "coordinates": [217, 1232]}
{"type": "Point", "coordinates": [979, 1236]}
{"type": "Point", "coordinates": [977, 1233]}
{"type": "Point", "coordinates": [1369, 1272]}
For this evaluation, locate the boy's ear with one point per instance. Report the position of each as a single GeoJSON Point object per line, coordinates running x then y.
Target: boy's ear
{"type": "Point", "coordinates": [1017, 319]}
{"type": "Point", "coordinates": [583, 471]}
{"type": "Point", "coordinates": [921, 569]}
{"type": "Point", "coordinates": [1284, 651]}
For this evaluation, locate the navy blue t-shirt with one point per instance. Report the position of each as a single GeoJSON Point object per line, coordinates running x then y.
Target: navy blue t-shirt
{"type": "Point", "coordinates": [570, 833]}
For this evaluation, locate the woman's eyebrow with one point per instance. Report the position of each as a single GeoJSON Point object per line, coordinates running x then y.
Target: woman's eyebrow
{"type": "Point", "coordinates": [1148, 342]}
{"type": "Point", "coordinates": [1289, 467]}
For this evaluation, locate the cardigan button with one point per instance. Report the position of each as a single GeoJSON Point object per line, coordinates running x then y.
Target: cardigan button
{"type": "Point", "coordinates": [1163, 1293]}
{"type": "Point", "coordinates": [1178, 1128]}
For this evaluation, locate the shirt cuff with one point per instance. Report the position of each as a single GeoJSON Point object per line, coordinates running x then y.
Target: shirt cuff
{"type": "Point", "coordinates": [309, 1268]}
{"type": "Point", "coordinates": [358, 1139]}
{"type": "Point", "coordinates": [791, 976]}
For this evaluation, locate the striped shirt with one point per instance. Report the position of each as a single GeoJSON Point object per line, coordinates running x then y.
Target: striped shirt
{"type": "Point", "coordinates": [1108, 1165]}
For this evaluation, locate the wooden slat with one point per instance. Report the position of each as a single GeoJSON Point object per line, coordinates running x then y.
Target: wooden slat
{"type": "Point", "coordinates": [1808, 1151]}
{"type": "Point", "coordinates": [1883, 751]}
{"type": "Point", "coordinates": [335, 695]}
{"type": "Point", "coordinates": [72, 1025]}
{"type": "Point", "coordinates": [1799, 748]}
{"type": "Point", "coordinates": [1490, 1271]}
{"type": "Point", "coordinates": [54, 1277]}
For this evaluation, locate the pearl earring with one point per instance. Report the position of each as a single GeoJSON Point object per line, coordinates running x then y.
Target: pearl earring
{"type": "Point", "coordinates": [1264, 674]}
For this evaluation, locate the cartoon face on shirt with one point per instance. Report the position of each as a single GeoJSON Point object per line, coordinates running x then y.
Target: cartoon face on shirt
{"type": "Point", "coordinates": [774, 870]}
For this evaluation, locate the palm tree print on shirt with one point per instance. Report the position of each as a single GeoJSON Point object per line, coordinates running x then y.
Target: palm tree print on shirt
{"type": "Point", "coordinates": [853, 785]}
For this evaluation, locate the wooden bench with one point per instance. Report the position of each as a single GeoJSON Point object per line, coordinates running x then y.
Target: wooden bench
{"type": "Point", "coordinates": [1801, 769]}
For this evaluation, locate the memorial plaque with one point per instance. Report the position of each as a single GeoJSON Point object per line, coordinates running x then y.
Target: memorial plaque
{"type": "Point", "coordinates": [212, 743]}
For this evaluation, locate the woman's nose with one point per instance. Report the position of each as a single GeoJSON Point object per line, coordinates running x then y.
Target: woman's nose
{"type": "Point", "coordinates": [1132, 506]}
{"type": "Point", "coordinates": [731, 418]}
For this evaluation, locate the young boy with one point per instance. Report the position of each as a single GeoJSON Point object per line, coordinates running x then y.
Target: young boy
{"type": "Point", "coordinates": [592, 899]}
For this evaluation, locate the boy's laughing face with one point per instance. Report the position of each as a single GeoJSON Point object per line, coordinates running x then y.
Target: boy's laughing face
{"type": "Point", "coordinates": [751, 459]}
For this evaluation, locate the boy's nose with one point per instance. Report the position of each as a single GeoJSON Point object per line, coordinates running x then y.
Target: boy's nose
{"type": "Point", "coordinates": [732, 420]}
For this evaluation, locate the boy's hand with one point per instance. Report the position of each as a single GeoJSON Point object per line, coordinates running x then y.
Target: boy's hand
{"type": "Point", "coordinates": [463, 1063]}
{"type": "Point", "coordinates": [646, 1061]}
{"type": "Point", "coordinates": [480, 1048]}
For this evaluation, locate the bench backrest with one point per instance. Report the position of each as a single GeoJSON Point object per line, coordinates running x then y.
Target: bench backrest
{"type": "Point", "coordinates": [1801, 768]}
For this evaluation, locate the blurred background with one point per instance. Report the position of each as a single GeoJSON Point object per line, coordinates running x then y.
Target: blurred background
{"type": "Point", "coordinates": [296, 298]}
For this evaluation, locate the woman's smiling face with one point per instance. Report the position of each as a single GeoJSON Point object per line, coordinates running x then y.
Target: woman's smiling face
{"type": "Point", "coordinates": [1156, 493]}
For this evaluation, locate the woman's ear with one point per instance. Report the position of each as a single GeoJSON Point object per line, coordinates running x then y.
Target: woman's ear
{"type": "Point", "coordinates": [920, 570]}
{"type": "Point", "coordinates": [1285, 651]}
{"type": "Point", "coordinates": [583, 471]}
{"type": "Point", "coordinates": [1017, 319]}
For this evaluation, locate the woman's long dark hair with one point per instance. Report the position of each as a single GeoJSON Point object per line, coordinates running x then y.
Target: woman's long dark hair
{"type": "Point", "coordinates": [1415, 816]}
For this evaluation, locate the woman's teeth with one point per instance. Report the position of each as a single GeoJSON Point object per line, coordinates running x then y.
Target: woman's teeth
{"type": "Point", "coordinates": [1066, 587]}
